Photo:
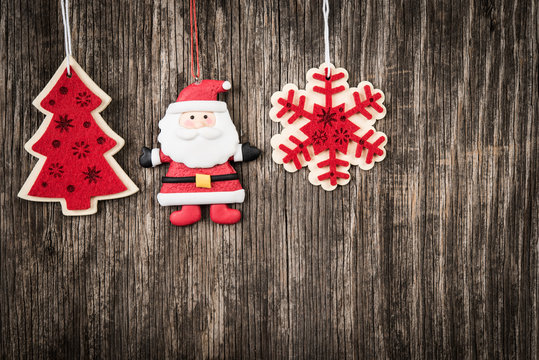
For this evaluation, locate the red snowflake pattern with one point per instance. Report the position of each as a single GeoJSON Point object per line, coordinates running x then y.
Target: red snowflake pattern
{"type": "Point", "coordinates": [328, 127]}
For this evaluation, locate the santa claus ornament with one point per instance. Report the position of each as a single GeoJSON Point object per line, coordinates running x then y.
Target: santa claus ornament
{"type": "Point", "coordinates": [74, 145]}
{"type": "Point", "coordinates": [328, 126]}
{"type": "Point", "coordinates": [199, 141]}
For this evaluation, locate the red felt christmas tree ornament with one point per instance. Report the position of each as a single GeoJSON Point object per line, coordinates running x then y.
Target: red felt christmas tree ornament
{"type": "Point", "coordinates": [74, 145]}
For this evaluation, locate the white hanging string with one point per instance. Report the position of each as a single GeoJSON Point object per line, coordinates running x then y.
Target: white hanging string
{"type": "Point", "coordinates": [67, 32]}
{"type": "Point", "coordinates": [325, 9]}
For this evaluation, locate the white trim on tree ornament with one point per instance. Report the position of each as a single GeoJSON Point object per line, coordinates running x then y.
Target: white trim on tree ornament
{"type": "Point", "coordinates": [201, 198]}
{"type": "Point", "coordinates": [198, 105]}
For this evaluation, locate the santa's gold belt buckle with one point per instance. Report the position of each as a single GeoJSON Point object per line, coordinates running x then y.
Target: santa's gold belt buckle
{"type": "Point", "coordinates": [203, 181]}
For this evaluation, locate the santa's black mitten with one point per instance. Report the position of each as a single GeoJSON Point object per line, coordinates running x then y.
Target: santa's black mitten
{"type": "Point", "coordinates": [249, 152]}
{"type": "Point", "coordinates": [146, 157]}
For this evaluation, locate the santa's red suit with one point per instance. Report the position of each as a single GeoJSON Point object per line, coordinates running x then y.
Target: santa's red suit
{"type": "Point", "coordinates": [180, 185]}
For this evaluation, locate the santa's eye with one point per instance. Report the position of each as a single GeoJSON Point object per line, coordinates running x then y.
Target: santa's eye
{"type": "Point", "coordinates": [192, 117]}
{"type": "Point", "coordinates": [205, 116]}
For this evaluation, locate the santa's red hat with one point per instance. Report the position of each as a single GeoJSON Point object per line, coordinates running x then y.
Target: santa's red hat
{"type": "Point", "coordinates": [200, 97]}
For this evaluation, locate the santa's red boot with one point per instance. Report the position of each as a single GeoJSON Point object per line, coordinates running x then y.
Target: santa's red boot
{"type": "Point", "coordinates": [189, 214]}
{"type": "Point", "coordinates": [222, 214]}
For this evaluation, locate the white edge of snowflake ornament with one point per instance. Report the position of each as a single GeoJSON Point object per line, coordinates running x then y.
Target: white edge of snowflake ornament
{"type": "Point", "coordinates": [328, 126]}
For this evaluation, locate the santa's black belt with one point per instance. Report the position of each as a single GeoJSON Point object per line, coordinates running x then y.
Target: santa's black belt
{"type": "Point", "coordinates": [192, 179]}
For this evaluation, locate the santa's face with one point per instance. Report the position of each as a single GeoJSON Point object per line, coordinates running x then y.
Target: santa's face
{"type": "Point", "coordinates": [198, 139]}
{"type": "Point", "coordinates": [197, 119]}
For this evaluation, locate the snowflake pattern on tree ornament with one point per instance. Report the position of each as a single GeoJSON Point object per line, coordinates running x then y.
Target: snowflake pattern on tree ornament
{"type": "Point", "coordinates": [328, 127]}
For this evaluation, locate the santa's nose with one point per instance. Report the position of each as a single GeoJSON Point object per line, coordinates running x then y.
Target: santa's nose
{"type": "Point", "coordinates": [198, 124]}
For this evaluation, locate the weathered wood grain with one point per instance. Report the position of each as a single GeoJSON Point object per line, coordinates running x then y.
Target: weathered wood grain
{"type": "Point", "coordinates": [431, 254]}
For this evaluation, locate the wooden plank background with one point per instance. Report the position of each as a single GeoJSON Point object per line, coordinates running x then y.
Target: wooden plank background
{"type": "Point", "coordinates": [431, 254]}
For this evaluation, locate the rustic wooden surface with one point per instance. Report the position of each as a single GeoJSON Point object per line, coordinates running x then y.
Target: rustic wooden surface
{"type": "Point", "coordinates": [432, 254]}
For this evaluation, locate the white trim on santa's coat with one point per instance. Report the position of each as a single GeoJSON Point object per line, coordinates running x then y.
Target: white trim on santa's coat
{"type": "Point", "coordinates": [201, 198]}
{"type": "Point", "coordinates": [156, 158]}
{"type": "Point", "coordinates": [196, 105]}
{"type": "Point", "coordinates": [238, 155]}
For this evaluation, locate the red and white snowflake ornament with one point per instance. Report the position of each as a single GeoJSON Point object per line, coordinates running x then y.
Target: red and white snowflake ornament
{"type": "Point", "coordinates": [328, 126]}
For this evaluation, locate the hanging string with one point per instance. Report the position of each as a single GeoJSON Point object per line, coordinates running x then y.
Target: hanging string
{"type": "Point", "coordinates": [193, 18]}
{"type": "Point", "coordinates": [67, 32]}
{"type": "Point", "coordinates": [325, 9]}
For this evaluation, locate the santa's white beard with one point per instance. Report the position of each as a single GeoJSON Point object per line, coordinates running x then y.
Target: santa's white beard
{"type": "Point", "coordinates": [199, 148]}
